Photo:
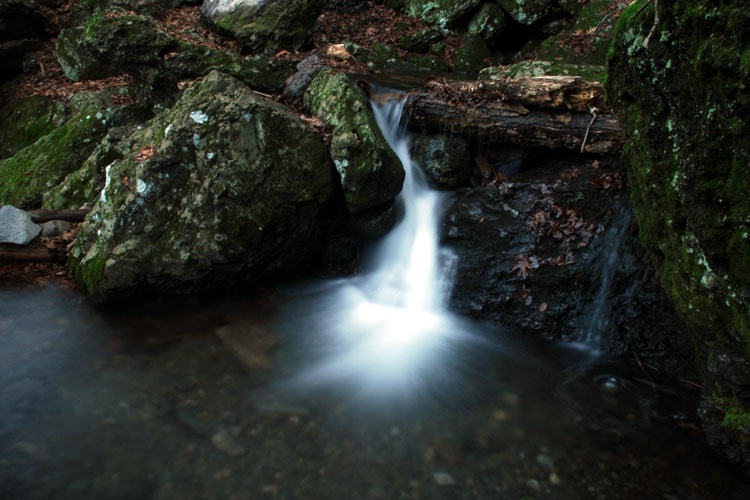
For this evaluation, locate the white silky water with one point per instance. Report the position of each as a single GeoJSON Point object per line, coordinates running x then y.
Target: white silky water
{"type": "Point", "coordinates": [385, 332]}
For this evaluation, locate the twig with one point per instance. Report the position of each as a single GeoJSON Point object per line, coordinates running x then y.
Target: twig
{"type": "Point", "coordinates": [593, 111]}
{"type": "Point", "coordinates": [645, 372]}
{"type": "Point", "coordinates": [657, 19]}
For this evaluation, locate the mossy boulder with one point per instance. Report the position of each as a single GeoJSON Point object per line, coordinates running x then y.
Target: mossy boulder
{"type": "Point", "coordinates": [371, 173]}
{"type": "Point", "coordinates": [260, 72]}
{"type": "Point", "coordinates": [471, 56]}
{"type": "Point", "coordinates": [213, 196]}
{"type": "Point", "coordinates": [585, 42]}
{"type": "Point", "coordinates": [112, 42]}
{"type": "Point", "coordinates": [446, 161]}
{"type": "Point", "coordinates": [488, 22]}
{"type": "Point", "coordinates": [265, 26]}
{"type": "Point", "coordinates": [24, 120]}
{"type": "Point", "coordinates": [680, 90]}
{"type": "Point", "coordinates": [530, 12]}
{"type": "Point", "coordinates": [37, 168]}
{"type": "Point", "coordinates": [441, 13]}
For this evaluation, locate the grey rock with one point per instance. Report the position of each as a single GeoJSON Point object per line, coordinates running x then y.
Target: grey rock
{"type": "Point", "coordinates": [16, 226]}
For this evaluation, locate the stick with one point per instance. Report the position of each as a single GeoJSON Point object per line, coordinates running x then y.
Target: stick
{"type": "Point", "coordinates": [588, 129]}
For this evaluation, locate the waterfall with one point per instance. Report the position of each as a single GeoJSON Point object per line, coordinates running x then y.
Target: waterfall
{"type": "Point", "coordinates": [597, 321]}
{"type": "Point", "coordinates": [387, 330]}
{"type": "Point", "coordinates": [410, 271]}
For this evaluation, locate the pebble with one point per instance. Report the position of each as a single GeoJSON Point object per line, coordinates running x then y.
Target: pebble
{"type": "Point", "coordinates": [224, 441]}
{"type": "Point", "coordinates": [554, 479]}
{"type": "Point", "coordinates": [443, 479]}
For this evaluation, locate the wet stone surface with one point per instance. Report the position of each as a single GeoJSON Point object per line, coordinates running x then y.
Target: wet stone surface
{"type": "Point", "coordinates": [149, 402]}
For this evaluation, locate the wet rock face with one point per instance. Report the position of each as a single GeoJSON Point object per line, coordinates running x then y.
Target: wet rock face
{"type": "Point", "coordinates": [214, 195]}
{"type": "Point", "coordinates": [680, 90]}
{"type": "Point", "coordinates": [553, 253]}
{"type": "Point", "coordinates": [264, 26]}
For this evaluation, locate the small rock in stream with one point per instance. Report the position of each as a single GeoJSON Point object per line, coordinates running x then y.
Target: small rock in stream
{"type": "Point", "coordinates": [443, 479]}
{"type": "Point", "coordinates": [225, 441]}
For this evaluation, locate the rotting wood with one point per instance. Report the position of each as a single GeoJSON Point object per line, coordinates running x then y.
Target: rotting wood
{"type": "Point", "coordinates": [30, 253]}
{"type": "Point", "coordinates": [45, 215]}
{"type": "Point", "coordinates": [541, 112]}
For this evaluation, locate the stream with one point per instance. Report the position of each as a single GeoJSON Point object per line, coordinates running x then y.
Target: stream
{"type": "Point", "coordinates": [363, 387]}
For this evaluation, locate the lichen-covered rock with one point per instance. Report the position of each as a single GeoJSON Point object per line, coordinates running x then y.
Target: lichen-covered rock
{"type": "Point", "coordinates": [528, 12]}
{"type": "Point", "coordinates": [371, 173]}
{"type": "Point", "coordinates": [441, 13]}
{"type": "Point", "coordinates": [112, 42]}
{"type": "Point", "coordinates": [214, 195]}
{"type": "Point", "coordinates": [24, 120]}
{"type": "Point", "coordinates": [446, 161]}
{"type": "Point", "coordinates": [77, 63]}
{"type": "Point", "coordinates": [471, 56]}
{"type": "Point", "coordinates": [488, 23]}
{"type": "Point", "coordinates": [265, 26]}
{"type": "Point", "coordinates": [585, 41]}
{"type": "Point", "coordinates": [260, 72]}
{"type": "Point", "coordinates": [680, 90]}
{"type": "Point", "coordinates": [32, 171]}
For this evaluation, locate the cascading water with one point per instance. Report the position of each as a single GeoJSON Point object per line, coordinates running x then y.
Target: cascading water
{"type": "Point", "coordinates": [597, 322]}
{"type": "Point", "coordinates": [386, 329]}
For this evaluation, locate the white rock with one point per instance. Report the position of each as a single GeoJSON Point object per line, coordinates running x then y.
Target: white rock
{"type": "Point", "coordinates": [16, 226]}
{"type": "Point", "coordinates": [443, 479]}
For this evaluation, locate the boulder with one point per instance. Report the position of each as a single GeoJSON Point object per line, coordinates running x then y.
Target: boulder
{"type": "Point", "coordinates": [551, 252]}
{"type": "Point", "coordinates": [488, 22]}
{"type": "Point", "coordinates": [371, 173]}
{"type": "Point", "coordinates": [445, 160]}
{"type": "Point", "coordinates": [264, 26]}
{"type": "Point", "coordinates": [37, 168]}
{"type": "Point", "coordinates": [680, 90]}
{"type": "Point", "coordinates": [112, 41]}
{"type": "Point", "coordinates": [471, 56]}
{"type": "Point", "coordinates": [531, 12]}
{"type": "Point", "coordinates": [24, 120]}
{"type": "Point", "coordinates": [440, 13]}
{"type": "Point", "coordinates": [16, 226]}
{"type": "Point", "coordinates": [214, 195]}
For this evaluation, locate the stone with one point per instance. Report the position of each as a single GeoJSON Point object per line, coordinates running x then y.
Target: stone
{"type": "Point", "coordinates": [214, 195]}
{"type": "Point", "coordinates": [440, 13]}
{"type": "Point", "coordinates": [55, 227]}
{"type": "Point", "coordinates": [39, 167]}
{"type": "Point", "coordinates": [529, 12]}
{"type": "Point", "coordinates": [16, 226]}
{"type": "Point", "coordinates": [445, 160]}
{"type": "Point", "coordinates": [264, 26]}
{"type": "Point", "coordinates": [471, 56]}
{"type": "Point", "coordinates": [488, 23]}
{"type": "Point", "coordinates": [681, 96]}
{"type": "Point", "coordinates": [371, 173]}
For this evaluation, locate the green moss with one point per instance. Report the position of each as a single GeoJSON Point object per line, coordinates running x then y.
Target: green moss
{"type": "Point", "coordinates": [88, 272]}
{"type": "Point", "coordinates": [23, 121]}
{"type": "Point", "coordinates": [25, 177]}
{"type": "Point", "coordinates": [736, 415]}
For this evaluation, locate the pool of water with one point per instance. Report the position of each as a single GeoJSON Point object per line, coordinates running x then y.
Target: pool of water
{"type": "Point", "coordinates": [250, 398]}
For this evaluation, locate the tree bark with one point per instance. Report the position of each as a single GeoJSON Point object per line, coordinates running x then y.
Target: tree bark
{"type": "Point", "coordinates": [543, 112]}
{"type": "Point", "coordinates": [29, 253]}
{"type": "Point", "coordinates": [45, 215]}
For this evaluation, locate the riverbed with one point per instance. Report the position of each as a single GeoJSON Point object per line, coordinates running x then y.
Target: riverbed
{"type": "Point", "coordinates": [148, 401]}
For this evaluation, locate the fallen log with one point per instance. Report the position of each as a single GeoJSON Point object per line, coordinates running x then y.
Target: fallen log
{"type": "Point", "coordinates": [41, 215]}
{"type": "Point", "coordinates": [558, 112]}
{"type": "Point", "coordinates": [30, 253]}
